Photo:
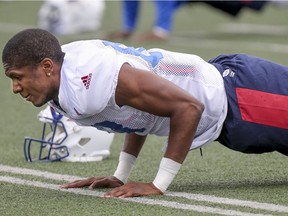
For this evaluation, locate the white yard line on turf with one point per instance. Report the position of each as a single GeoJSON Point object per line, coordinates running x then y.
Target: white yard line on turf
{"type": "Point", "coordinates": [43, 174]}
{"type": "Point", "coordinates": [229, 201]}
{"type": "Point", "coordinates": [197, 197]}
{"type": "Point", "coordinates": [170, 204]}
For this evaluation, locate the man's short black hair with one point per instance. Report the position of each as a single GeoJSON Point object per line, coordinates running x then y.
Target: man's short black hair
{"type": "Point", "coordinates": [29, 47]}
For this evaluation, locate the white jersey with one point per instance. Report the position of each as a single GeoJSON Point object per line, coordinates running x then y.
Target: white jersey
{"type": "Point", "coordinates": [89, 77]}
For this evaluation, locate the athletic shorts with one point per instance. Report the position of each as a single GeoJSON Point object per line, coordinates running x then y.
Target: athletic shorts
{"type": "Point", "coordinates": [257, 93]}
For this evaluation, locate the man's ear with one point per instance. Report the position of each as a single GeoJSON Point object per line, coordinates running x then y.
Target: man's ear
{"type": "Point", "coordinates": [47, 66]}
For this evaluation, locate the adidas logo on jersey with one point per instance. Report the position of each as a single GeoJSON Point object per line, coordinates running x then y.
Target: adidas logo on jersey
{"type": "Point", "coordinates": [86, 80]}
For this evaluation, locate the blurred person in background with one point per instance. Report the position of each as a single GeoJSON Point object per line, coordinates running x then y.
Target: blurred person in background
{"type": "Point", "coordinates": [165, 11]}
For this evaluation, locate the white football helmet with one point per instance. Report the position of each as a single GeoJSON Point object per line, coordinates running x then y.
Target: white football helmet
{"type": "Point", "coordinates": [71, 16]}
{"type": "Point", "coordinates": [67, 141]}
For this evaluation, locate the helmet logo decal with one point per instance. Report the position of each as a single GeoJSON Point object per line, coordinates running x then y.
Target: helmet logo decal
{"type": "Point", "coordinates": [86, 80]}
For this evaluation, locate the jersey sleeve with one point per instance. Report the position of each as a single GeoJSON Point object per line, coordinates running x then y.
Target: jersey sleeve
{"type": "Point", "coordinates": [91, 79]}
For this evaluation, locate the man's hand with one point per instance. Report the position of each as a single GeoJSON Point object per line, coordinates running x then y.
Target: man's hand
{"type": "Point", "coordinates": [95, 182]}
{"type": "Point", "coordinates": [134, 189]}
{"type": "Point", "coordinates": [131, 189]}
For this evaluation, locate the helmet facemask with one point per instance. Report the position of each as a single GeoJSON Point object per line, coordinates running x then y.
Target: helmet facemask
{"type": "Point", "coordinates": [63, 140]}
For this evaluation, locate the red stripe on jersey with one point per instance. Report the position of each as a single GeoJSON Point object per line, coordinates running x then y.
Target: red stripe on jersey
{"type": "Point", "coordinates": [263, 108]}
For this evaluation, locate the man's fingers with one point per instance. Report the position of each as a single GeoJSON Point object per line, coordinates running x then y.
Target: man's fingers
{"type": "Point", "coordinates": [108, 182]}
{"type": "Point", "coordinates": [79, 183]}
{"type": "Point", "coordinates": [76, 184]}
{"type": "Point", "coordinates": [70, 184]}
{"type": "Point", "coordinates": [94, 182]}
{"type": "Point", "coordinates": [120, 192]}
{"type": "Point", "coordinates": [117, 192]}
{"type": "Point", "coordinates": [133, 189]}
{"type": "Point", "coordinates": [98, 183]}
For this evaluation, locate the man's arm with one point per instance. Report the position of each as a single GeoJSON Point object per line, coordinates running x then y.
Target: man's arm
{"type": "Point", "coordinates": [132, 146]}
{"type": "Point", "coordinates": [151, 93]}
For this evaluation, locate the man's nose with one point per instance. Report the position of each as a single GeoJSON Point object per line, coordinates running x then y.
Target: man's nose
{"type": "Point", "coordinates": [16, 88]}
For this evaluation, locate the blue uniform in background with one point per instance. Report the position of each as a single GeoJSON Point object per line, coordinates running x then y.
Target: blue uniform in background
{"type": "Point", "coordinates": [164, 14]}
{"type": "Point", "coordinates": [257, 92]}
{"type": "Point", "coordinates": [164, 11]}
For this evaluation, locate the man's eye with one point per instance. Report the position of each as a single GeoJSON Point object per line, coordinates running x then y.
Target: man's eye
{"type": "Point", "coordinates": [16, 78]}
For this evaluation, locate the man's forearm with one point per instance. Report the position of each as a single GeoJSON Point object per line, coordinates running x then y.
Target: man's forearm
{"type": "Point", "coordinates": [132, 146]}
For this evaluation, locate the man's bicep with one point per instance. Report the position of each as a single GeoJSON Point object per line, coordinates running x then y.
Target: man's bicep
{"type": "Point", "coordinates": [148, 92]}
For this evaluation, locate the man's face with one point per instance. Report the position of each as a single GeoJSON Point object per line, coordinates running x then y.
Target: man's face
{"type": "Point", "coordinates": [35, 85]}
